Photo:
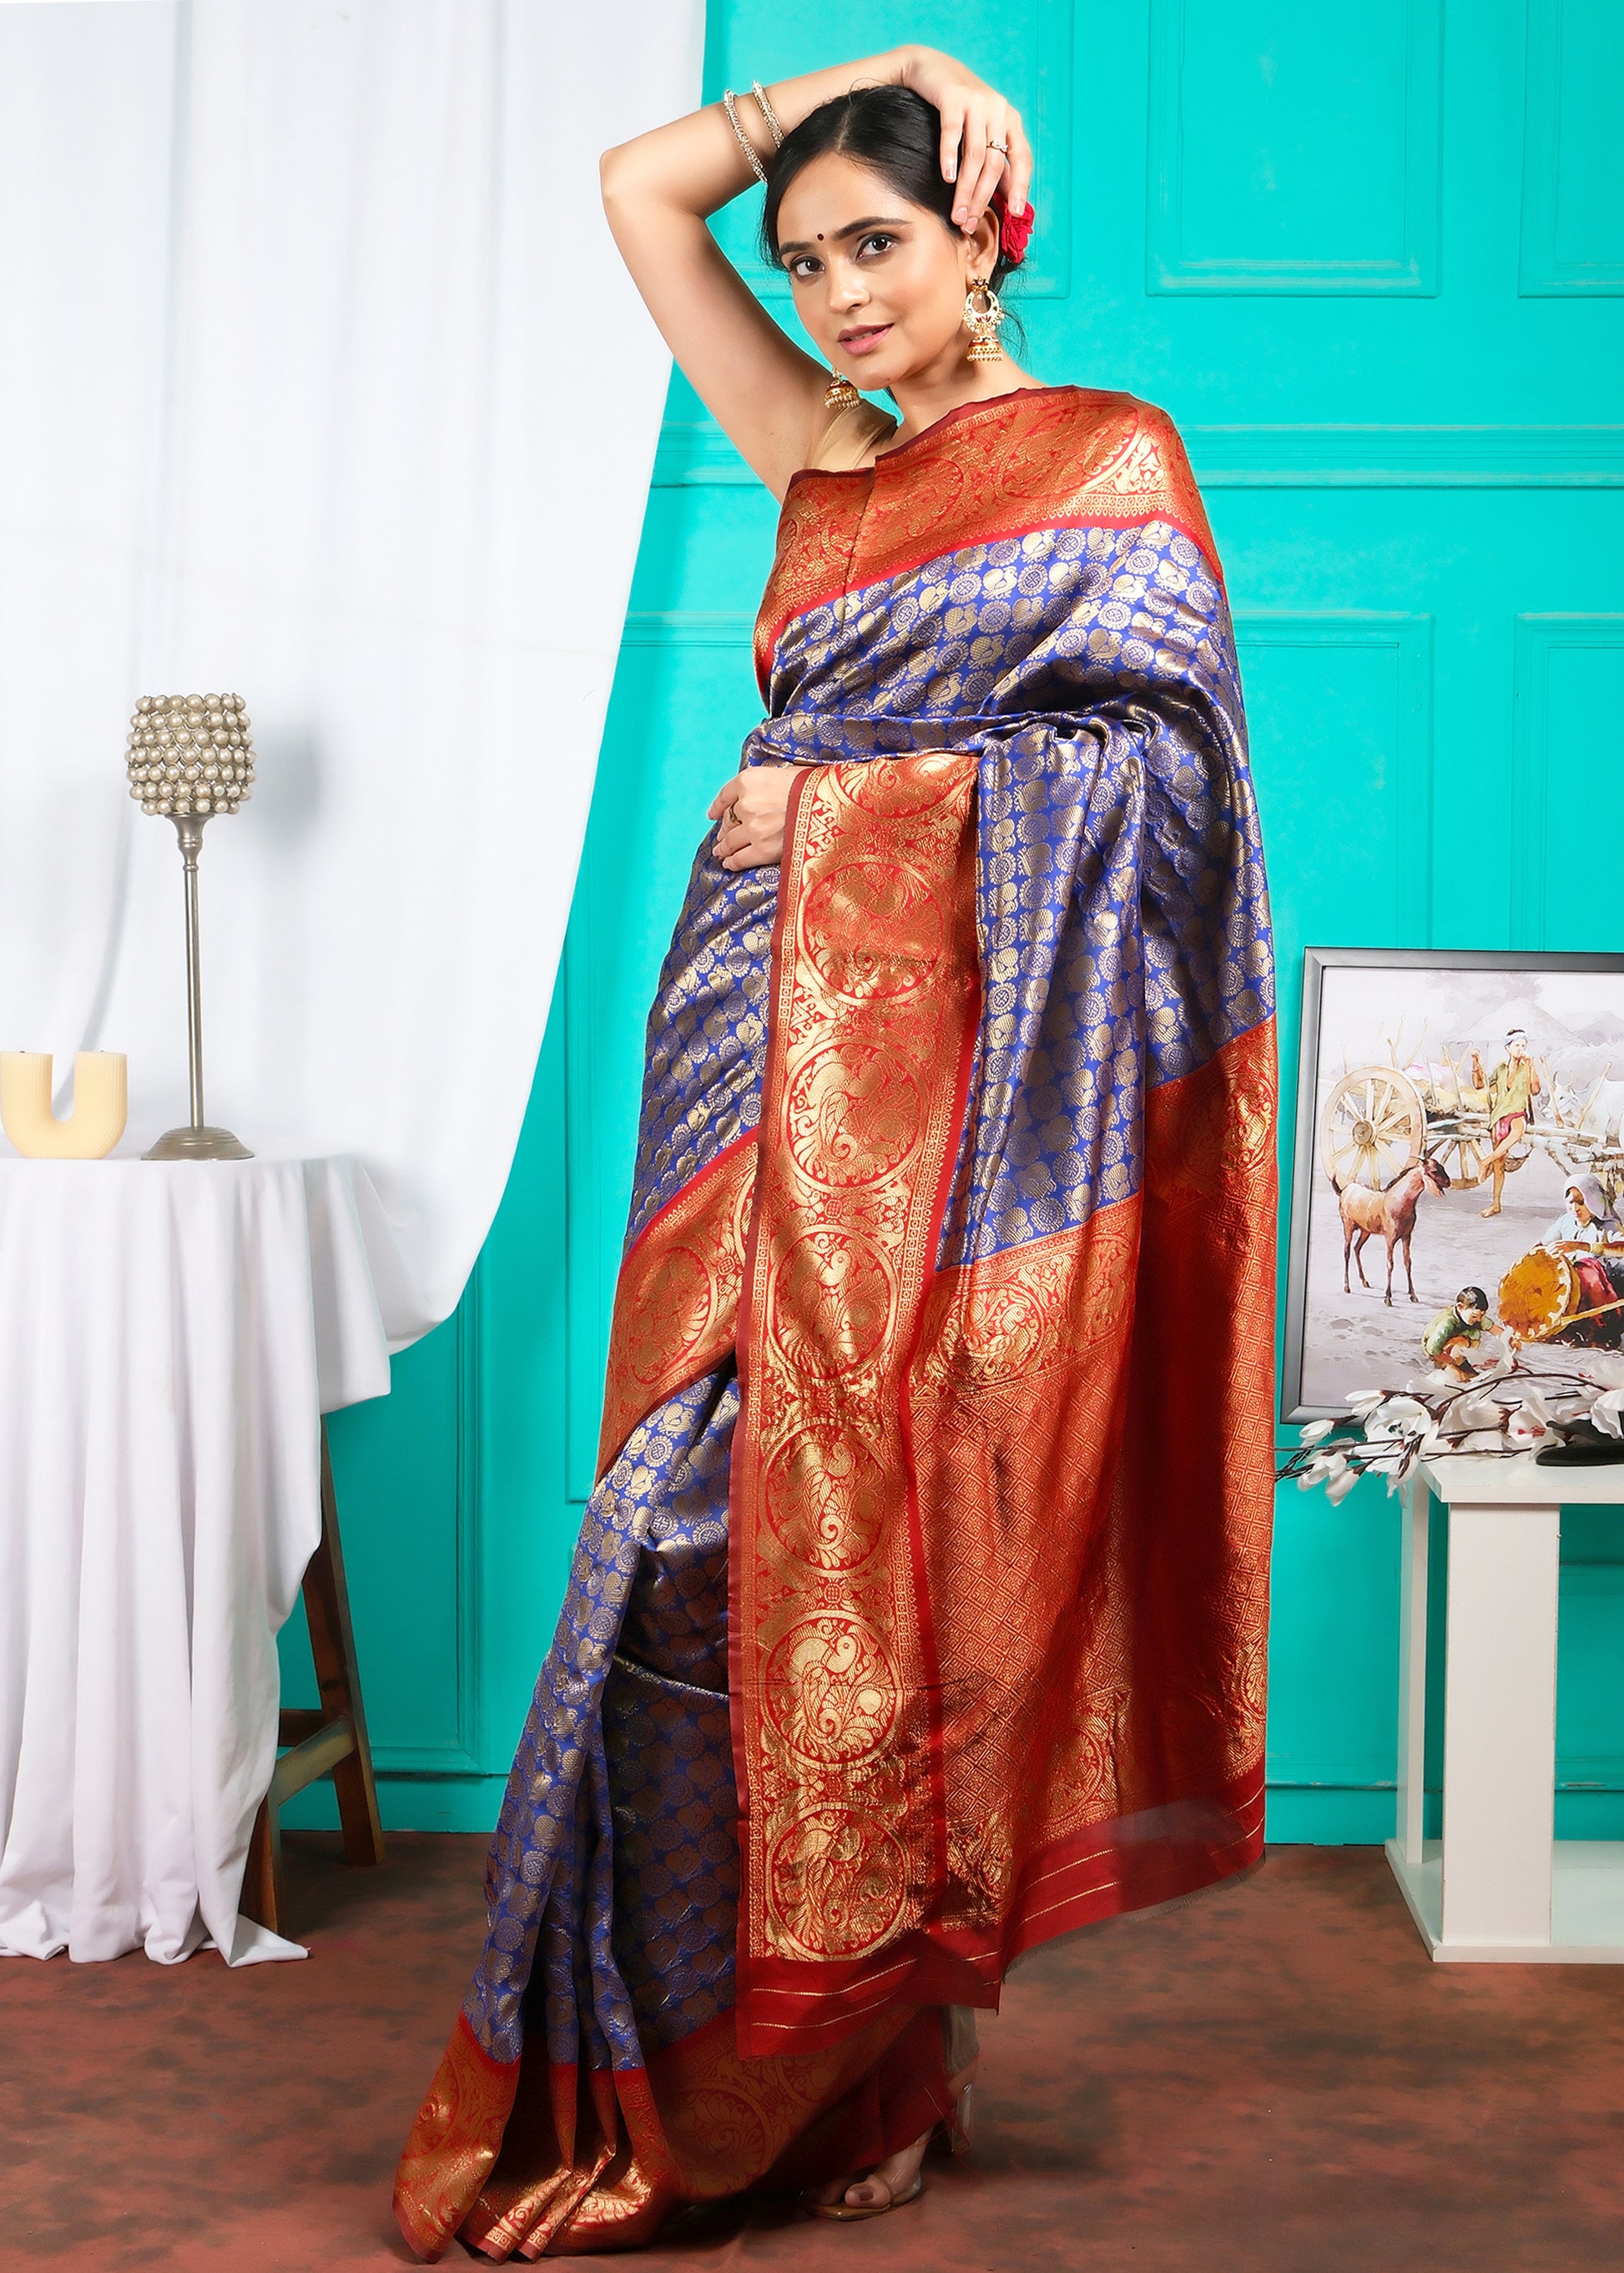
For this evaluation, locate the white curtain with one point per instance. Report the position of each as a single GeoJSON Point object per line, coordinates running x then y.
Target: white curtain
{"type": "Point", "coordinates": [319, 384]}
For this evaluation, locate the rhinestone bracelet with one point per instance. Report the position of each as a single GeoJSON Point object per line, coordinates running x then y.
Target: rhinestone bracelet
{"type": "Point", "coordinates": [742, 138]}
{"type": "Point", "coordinates": [768, 113]}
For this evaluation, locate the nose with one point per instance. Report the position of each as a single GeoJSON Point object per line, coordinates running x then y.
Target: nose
{"type": "Point", "coordinates": [847, 288]}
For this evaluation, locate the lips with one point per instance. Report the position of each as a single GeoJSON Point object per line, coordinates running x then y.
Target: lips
{"type": "Point", "coordinates": [863, 339]}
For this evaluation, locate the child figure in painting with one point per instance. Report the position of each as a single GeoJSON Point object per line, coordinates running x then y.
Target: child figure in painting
{"type": "Point", "coordinates": [1452, 1338]}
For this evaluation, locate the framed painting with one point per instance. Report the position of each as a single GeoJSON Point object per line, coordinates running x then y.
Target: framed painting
{"type": "Point", "coordinates": [1459, 1183]}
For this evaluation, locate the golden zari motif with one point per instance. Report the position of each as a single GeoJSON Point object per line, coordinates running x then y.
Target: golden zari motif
{"type": "Point", "coordinates": [676, 1304]}
{"type": "Point", "coordinates": [455, 2142]}
{"type": "Point", "coordinates": [1049, 1478]}
{"type": "Point", "coordinates": [596, 2159]}
{"type": "Point", "coordinates": [1057, 457]}
{"type": "Point", "coordinates": [1017, 1401]}
{"type": "Point", "coordinates": [875, 1000]}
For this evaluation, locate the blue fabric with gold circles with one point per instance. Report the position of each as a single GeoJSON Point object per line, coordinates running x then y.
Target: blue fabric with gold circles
{"type": "Point", "coordinates": [575, 1905]}
{"type": "Point", "coordinates": [1123, 911]}
{"type": "Point", "coordinates": [1124, 939]}
{"type": "Point", "coordinates": [707, 1031]}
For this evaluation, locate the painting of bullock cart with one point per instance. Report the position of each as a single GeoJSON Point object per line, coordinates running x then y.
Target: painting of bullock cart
{"type": "Point", "coordinates": [1459, 1186]}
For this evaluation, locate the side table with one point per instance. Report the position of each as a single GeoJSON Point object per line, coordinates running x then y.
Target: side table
{"type": "Point", "coordinates": [1499, 1888]}
{"type": "Point", "coordinates": [171, 1333]}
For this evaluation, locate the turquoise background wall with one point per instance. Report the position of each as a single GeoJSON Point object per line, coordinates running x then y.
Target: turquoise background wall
{"type": "Point", "coordinates": [1371, 260]}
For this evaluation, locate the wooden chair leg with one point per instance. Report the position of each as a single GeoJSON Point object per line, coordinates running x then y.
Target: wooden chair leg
{"type": "Point", "coordinates": [330, 1740]}
{"type": "Point", "coordinates": [262, 1886]}
{"type": "Point", "coordinates": [332, 1644]}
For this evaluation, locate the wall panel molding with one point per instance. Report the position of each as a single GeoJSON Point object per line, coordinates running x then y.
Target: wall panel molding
{"type": "Point", "coordinates": [1409, 268]}
{"type": "Point", "coordinates": [1570, 120]}
{"type": "Point", "coordinates": [1408, 814]}
{"type": "Point", "coordinates": [460, 1752]}
{"type": "Point", "coordinates": [1540, 642]}
{"type": "Point", "coordinates": [696, 455]}
{"type": "Point", "coordinates": [1407, 457]}
{"type": "Point", "coordinates": [688, 627]}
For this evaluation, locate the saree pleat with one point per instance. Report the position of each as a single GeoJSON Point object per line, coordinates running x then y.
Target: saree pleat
{"type": "Point", "coordinates": [919, 1613]}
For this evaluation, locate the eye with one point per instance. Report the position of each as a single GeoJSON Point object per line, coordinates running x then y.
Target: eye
{"type": "Point", "coordinates": [803, 267]}
{"type": "Point", "coordinates": [876, 242]}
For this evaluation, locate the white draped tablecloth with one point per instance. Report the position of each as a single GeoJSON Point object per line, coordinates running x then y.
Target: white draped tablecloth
{"type": "Point", "coordinates": [171, 1334]}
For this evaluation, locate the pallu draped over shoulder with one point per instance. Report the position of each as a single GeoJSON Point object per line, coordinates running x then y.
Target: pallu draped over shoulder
{"type": "Point", "coordinates": [919, 1614]}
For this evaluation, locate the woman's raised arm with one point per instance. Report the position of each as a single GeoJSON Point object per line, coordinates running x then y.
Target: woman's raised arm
{"type": "Point", "coordinates": [765, 392]}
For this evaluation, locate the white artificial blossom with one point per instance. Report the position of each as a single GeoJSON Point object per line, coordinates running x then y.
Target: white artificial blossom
{"type": "Point", "coordinates": [1505, 1409]}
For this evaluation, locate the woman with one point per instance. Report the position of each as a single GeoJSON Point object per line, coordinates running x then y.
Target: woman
{"type": "Point", "coordinates": [1587, 1224]}
{"type": "Point", "coordinates": [919, 1614]}
{"type": "Point", "coordinates": [1587, 1233]}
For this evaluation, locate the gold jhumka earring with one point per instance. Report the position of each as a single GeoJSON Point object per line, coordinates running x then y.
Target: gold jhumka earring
{"type": "Point", "coordinates": [984, 320]}
{"type": "Point", "coordinates": [841, 395]}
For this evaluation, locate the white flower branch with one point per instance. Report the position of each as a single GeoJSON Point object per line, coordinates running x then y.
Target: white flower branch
{"type": "Point", "coordinates": [1505, 1409]}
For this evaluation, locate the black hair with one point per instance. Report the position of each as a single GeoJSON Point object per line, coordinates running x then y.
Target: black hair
{"type": "Point", "coordinates": [1471, 1298]}
{"type": "Point", "coordinates": [893, 131]}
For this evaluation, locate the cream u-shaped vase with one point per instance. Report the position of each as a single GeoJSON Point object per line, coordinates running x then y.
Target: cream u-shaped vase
{"type": "Point", "coordinates": [100, 1103]}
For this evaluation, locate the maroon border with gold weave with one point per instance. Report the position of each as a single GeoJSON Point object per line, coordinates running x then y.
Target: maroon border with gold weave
{"type": "Point", "coordinates": [1050, 457]}
{"type": "Point", "coordinates": [873, 1017]}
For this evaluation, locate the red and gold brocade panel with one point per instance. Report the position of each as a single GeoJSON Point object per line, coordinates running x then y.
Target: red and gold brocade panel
{"type": "Point", "coordinates": [596, 2160]}
{"type": "Point", "coordinates": [454, 2141]}
{"type": "Point", "coordinates": [998, 1628]}
{"type": "Point", "coordinates": [1057, 457]}
{"type": "Point", "coordinates": [874, 1011]}
{"type": "Point", "coordinates": [676, 1302]}
{"type": "Point", "coordinates": [1097, 1577]}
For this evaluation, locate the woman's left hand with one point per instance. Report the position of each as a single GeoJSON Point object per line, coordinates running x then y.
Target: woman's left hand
{"type": "Point", "coordinates": [751, 809]}
{"type": "Point", "coordinates": [983, 143]}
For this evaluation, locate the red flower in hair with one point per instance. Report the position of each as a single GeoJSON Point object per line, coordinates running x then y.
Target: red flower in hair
{"type": "Point", "coordinates": [1014, 229]}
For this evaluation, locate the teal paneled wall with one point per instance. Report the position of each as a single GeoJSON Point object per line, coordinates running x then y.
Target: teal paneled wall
{"type": "Point", "coordinates": [1372, 262]}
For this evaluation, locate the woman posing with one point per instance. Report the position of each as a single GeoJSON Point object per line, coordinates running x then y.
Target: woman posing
{"type": "Point", "coordinates": [919, 1613]}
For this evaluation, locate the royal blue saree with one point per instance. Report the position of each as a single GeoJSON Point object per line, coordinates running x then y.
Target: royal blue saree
{"type": "Point", "coordinates": [919, 1614]}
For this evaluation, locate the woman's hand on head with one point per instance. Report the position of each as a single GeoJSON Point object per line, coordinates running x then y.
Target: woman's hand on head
{"type": "Point", "coordinates": [751, 808]}
{"type": "Point", "coordinates": [974, 117]}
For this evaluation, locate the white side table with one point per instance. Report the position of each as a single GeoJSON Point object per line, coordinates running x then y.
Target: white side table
{"type": "Point", "coordinates": [171, 1334]}
{"type": "Point", "coordinates": [1499, 1888]}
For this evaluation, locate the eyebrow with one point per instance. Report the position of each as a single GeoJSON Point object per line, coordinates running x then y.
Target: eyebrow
{"type": "Point", "coordinates": [852, 228]}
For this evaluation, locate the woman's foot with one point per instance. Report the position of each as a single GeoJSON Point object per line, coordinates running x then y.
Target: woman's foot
{"type": "Point", "coordinates": [889, 2184]}
{"type": "Point", "coordinates": [897, 2180]}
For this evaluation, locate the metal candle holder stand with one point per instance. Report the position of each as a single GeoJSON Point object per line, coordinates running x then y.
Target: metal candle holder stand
{"type": "Point", "coordinates": [190, 757]}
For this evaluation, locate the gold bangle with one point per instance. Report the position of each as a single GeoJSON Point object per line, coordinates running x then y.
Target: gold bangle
{"type": "Point", "coordinates": [768, 113]}
{"type": "Point", "coordinates": [742, 138]}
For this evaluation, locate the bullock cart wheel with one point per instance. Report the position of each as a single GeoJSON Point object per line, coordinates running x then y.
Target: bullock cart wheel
{"type": "Point", "coordinates": [1373, 1129]}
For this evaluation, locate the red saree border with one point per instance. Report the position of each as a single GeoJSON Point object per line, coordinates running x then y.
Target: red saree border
{"type": "Point", "coordinates": [1126, 1779]}
{"type": "Point", "coordinates": [676, 1299]}
{"type": "Point", "coordinates": [1065, 1887]}
{"type": "Point", "coordinates": [587, 2160]}
{"type": "Point", "coordinates": [1098, 1871]}
{"type": "Point", "coordinates": [453, 2143]}
{"type": "Point", "coordinates": [872, 1023]}
{"type": "Point", "coordinates": [936, 1783]}
{"type": "Point", "coordinates": [1059, 458]}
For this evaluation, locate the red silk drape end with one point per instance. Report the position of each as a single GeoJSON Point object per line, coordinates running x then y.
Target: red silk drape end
{"type": "Point", "coordinates": [453, 2143]}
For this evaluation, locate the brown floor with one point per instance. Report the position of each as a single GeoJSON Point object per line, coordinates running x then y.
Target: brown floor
{"type": "Point", "coordinates": [1273, 2076]}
